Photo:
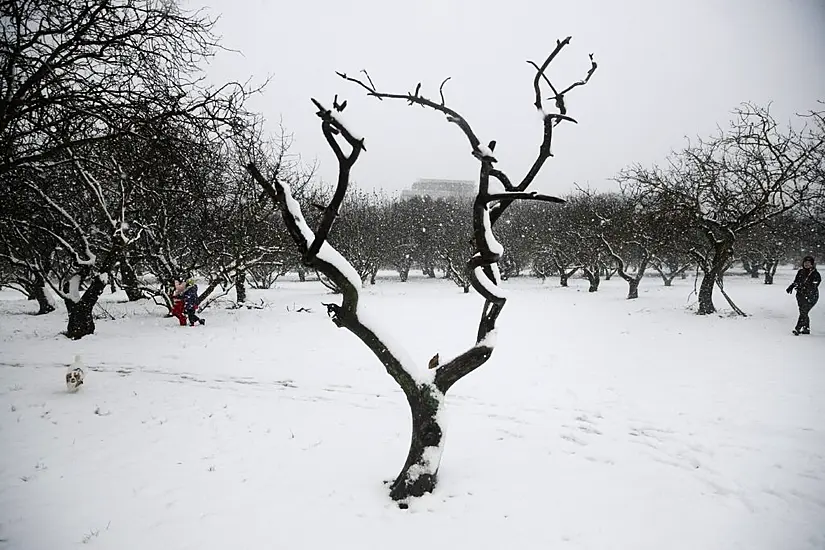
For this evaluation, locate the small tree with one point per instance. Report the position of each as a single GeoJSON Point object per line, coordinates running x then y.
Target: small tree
{"type": "Point", "coordinates": [424, 389]}
{"type": "Point", "coordinates": [625, 236]}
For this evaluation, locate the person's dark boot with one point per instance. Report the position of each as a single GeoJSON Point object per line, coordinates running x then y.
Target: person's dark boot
{"type": "Point", "coordinates": [805, 330]}
{"type": "Point", "coordinates": [796, 332]}
{"type": "Point", "coordinates": [202, 321]}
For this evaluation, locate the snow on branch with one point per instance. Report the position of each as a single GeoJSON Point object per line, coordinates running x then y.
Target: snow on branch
{"type": "Point", "coordinates": [482, 268]}
{"type": "Point", "coordinates": [319, 254]}
{"type": "Point", "coordinates": [90, 257]}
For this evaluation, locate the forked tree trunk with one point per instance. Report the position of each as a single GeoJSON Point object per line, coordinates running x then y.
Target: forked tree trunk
{"type": "Point", "coordinates": [669, 277]}
{"type": "Point", "coordinates": [632, 280]}
{"type": "Point", "coordinates": [81, 318]}
{"type": "Point", "coordinates": [593, 278]}
{"type": "Point", "coordinates": [425, 394]}
{"type": "Point", "coordinates": [564, 276]}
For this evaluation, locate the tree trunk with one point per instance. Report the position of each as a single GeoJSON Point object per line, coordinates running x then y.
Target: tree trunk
{"type": "Point", "coordinates": [373, 275]}
{"type": "Point", "coordinates": [240, 286]}
{"type": "Point", "coordinates": [770, 271]}
{"type": "Point", "coordinates": [39, 293]}
{"type": "Point", "coordinates": [81, 320]}
{"type": "Point", "coordinates": [130, 281]}
{"type": "Point", "coordinates": [593, 278]}
{"type": "Point", "coordinates": [420, 471]}
{"type": "Point", "coordinates": [564, 275]}
{"type": "Point", "coordinates": [706, 306]}
{"type": "Point", "coordinates": [404, 273]}
{"type": "Point", "coordinates": [302, 273]}
{"type": "Point", "coordinates": [632, 289]}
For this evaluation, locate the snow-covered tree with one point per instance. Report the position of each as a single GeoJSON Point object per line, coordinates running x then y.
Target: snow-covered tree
{"type": "Point", "coordinates": [424, 388]}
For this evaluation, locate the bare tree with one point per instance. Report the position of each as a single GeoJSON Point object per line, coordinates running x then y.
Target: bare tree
{"type": "Point", "coordinates": [624, 235]}
{"type": "Point", "coordinates": [74, 72]}
{"type": "Point", "coordinates": [727, 184]}
{"type": "Point", "coordinates": [556, 245]}
{"type": "Point", "coordinates": [582, 235]}
{"type": "Point", "coordinates": [399, 233]}
{"type": "Point", "coordinates": [424, 389]}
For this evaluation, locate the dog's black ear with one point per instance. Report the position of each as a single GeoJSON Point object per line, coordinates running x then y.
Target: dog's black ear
{"type": "Point", "coordinates": [68, 377]}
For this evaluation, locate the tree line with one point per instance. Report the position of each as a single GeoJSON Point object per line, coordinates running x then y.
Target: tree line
{"type": "Point", "coordinates": [122, 167]}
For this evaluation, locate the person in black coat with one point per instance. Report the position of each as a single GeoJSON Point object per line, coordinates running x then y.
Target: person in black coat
{"type": "Point", "coordinates": [806, 284]}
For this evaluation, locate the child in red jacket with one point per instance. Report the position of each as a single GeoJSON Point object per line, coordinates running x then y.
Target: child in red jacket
{"type": "Point", "coordinates": [177, 302]}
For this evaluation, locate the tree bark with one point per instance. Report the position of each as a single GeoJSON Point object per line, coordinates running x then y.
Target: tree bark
{"type": "Point", "coordinates": [668, 278]}
{"type": "Point", "coordinates": [130, 281]}
{"type": "Point", "coordinates": [632, 281]}
{"type": "Point", "coordinates": [770, 271]}
{"type": "Point", "coordinates": [240, 285]}
{"type": "Point", "coordinates": [751, 268]}
{"type": "Point", "coordinates": [706, 306]}
{"type": "Point", "coordinates": [419, 473]}
{"type": "Point", "coordinates": [81, 320]}
{"type": "Point", "coordinates": [593, 278]}
{"type": "Point", "coordinates": [564, 275]}
{"type": "Point", "coordinates": [38, 292]}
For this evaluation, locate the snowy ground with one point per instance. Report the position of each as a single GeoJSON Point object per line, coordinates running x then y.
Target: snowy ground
{"type": "Point", "coordinates": [599, 423]}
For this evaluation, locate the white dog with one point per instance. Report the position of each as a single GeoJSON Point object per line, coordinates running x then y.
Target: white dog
{"type": "Point", "coordinates": [74, 376]}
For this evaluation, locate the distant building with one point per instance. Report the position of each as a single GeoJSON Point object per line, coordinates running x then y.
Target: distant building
{"type": "Point", "coordinates": [440, 189]}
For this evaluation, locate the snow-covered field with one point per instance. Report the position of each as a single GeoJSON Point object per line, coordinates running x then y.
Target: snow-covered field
{"type": "Point", "coordinates": [599, 423]}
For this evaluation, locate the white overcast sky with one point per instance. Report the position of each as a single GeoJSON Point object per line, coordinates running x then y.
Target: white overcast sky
{"type": "Point", "coordinates": [667, 69]}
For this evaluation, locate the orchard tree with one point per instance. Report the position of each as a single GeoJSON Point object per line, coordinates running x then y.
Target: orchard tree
{"type": "Point", "coordinates": [768, 245]}
{"type": "Point", "coordinates": [625, 236]}
{"type": "Point", "coordinates": [583, 231]}
{"type": "Point", "coordinates": [82, 82]}
{"type": "Point", "coordinates": [399, 236]}
{"type": "Point", "coordinates": [424, 389]}
{"type": "Point", "coordinates": [557, 246]}
{"type": "Point", "coordinates": [738, 179]}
